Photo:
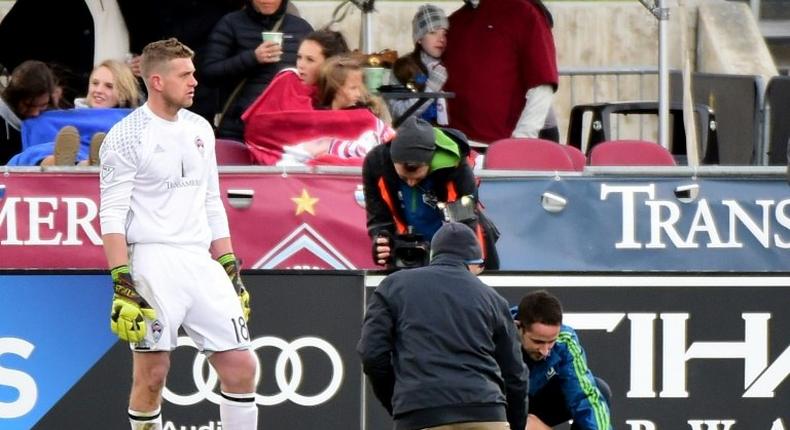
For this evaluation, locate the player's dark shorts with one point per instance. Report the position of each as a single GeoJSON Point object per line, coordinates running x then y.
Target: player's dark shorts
{"type": "Point", "coordinates": [549, 403]}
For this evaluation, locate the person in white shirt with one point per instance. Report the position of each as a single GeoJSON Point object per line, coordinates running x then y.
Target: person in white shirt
{"type": "Point", "coordinates": [168, 245]}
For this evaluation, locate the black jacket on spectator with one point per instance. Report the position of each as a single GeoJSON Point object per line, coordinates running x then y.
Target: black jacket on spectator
{"type": "Point", "coordinates": [440, 347]}
{"type": "Point", "coordinates": [230, 58]}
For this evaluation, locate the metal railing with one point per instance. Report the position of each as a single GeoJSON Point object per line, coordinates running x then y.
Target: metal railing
{"type": "Point", "coordinates": [596, 72]}
{"type": "Point", "coordinates": [618, 72]}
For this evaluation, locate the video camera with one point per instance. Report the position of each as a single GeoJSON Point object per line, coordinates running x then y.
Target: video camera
{"type": "Point", "coordinates": [410, 250]}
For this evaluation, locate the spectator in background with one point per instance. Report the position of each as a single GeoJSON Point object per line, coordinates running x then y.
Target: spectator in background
{"type": "Point", "coordinates": [501, 65]}
{"type": "Point", "coordinates": [406, 181]}
{"type": "Point", "coordinates": [191, 22]}
{"type": "Point", "coordinates": [341, 86]}
{"type": "Point", "coordinates": [111, 85]}
{"type": "Point", "coordinates": [236, 54]}
{"type": "Point", "coordinates": [439, 347]}
{"type": "Point", "coordinates": [422, 68]}
{"type": "Point", "coordinates": [28, 93]}
{"type": "Point", "coordinates": [315, 49]}
{"type": "Point", "coordinates": [561, 386]}
{"type": "Point", "coordinates": [285, 115]}
{"type": "Point", "coordinates": [70, 35]}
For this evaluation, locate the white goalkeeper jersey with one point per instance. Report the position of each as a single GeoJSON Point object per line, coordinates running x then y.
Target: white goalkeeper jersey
{"type": "Point", "coordinates": [159, 180]}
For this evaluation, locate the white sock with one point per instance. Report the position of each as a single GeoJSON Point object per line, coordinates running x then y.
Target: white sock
{"type": "Point", "coordinates": [146, 420]}
{"type": "Point", "coordinates": [238, 411]}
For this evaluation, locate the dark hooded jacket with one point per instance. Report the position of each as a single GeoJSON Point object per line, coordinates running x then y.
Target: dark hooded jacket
{"type": "Point", "coordinates": [229, 58]}
{"type": "Point", "coordinates": [439, 346]}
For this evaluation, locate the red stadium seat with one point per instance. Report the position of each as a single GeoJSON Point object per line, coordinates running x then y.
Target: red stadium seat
{"type": "Point", "coordinates": [630, 153]}
{"type": "Point", "coordinates": [577, 157]}
{"type": "Point", "coordinates": [232, 153]}
{"type": "Point", "coordinates": [527, 154]}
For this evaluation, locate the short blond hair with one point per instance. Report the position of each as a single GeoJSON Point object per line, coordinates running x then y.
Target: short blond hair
{"type": "Point", "coordinates": [159, 53]}
{"type": "Point", "coordinates": [126, 84]}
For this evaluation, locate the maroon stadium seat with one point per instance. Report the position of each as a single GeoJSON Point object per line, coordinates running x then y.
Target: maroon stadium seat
{"type": "Point", "coordinates": [630, 153]}
{"type": "Point", "coordinates": [232, 153]}
{"type": "Point", "coordinates": [527, 154]}
{"type": "Point", "coordinates": [577, 157]}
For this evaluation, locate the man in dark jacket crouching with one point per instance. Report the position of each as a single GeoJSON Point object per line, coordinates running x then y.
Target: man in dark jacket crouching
{"type": "Point", "coordinates": [440, 347]}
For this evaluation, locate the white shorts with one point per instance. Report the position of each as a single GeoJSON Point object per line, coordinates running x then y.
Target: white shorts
{"type": "Point", "coordinates": [189, 289]}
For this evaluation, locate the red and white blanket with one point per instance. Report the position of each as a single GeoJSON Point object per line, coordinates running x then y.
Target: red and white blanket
{"type": "Point", "coordinates": [283, 128]}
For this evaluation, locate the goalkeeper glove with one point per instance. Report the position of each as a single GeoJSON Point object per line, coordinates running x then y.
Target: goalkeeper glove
{"type": "Point", "coordinates": [231, 266]}
{"type": "Point", "coordinates": [129, 310]}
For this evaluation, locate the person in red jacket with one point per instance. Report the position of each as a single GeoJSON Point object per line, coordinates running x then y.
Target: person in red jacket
{"type": "Point", "coordinates": [501, 65]}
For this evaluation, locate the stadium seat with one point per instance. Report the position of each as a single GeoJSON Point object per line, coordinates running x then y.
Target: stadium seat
{"type": "Point", "coordinates": [232, 153]}
{"type": "Point", "coordinates": [527, 154]}
{"type": "Point", "coordinates": [578, 158]}
{"type": "Point", "coordinates": [630, 153]}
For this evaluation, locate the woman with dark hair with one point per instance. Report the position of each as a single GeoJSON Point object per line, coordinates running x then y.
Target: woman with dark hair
{"type": "Point", "coordinates": [315, 49]}
{"type": "Point", "coordinates": [27, 95]}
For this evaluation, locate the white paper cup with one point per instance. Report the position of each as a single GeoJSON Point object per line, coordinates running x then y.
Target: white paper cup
{"type": "Point", "coordinates": [273, 36]}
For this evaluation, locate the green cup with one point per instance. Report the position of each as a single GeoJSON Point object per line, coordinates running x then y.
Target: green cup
{"type": "Point", "coordinates": [374, 78]}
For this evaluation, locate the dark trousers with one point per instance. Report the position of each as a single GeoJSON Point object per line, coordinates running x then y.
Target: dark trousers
{"type": "Point", "coordinates": [551, 133]}
{"type": "Point", "coordinates": [549, 403]}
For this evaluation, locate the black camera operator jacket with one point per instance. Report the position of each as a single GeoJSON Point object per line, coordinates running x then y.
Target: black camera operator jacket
{"type": "Point", "coordinates": [382, 199]}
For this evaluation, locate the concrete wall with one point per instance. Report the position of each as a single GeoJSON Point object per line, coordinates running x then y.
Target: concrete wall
{"type": "Point", "coordinates": [734, 52]}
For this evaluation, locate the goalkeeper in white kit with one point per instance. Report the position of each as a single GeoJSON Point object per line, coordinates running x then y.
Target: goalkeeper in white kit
{"type": "Point", "coordinates": [168, 245]}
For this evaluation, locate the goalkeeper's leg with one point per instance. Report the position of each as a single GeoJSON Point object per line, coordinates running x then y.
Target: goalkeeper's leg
{"type": "Point", "coordinates": [146, 420]}
{"type": "Point", "coordinates": [236, 370]}
{"type": "Point", "coordinates": [148, 380]}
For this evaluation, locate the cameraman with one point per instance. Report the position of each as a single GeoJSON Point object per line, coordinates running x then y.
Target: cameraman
{"type": "Point", "coordinates": [408, 180]}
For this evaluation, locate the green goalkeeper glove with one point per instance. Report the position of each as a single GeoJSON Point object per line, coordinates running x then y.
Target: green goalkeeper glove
{"type": "Point", "coordinates": [231, 266]}
{"type": "Point", "coordinates": [129, 310]}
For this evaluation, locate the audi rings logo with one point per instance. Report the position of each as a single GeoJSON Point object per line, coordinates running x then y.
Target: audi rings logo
{"type": "Point", "coordinates": [289, 353]}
